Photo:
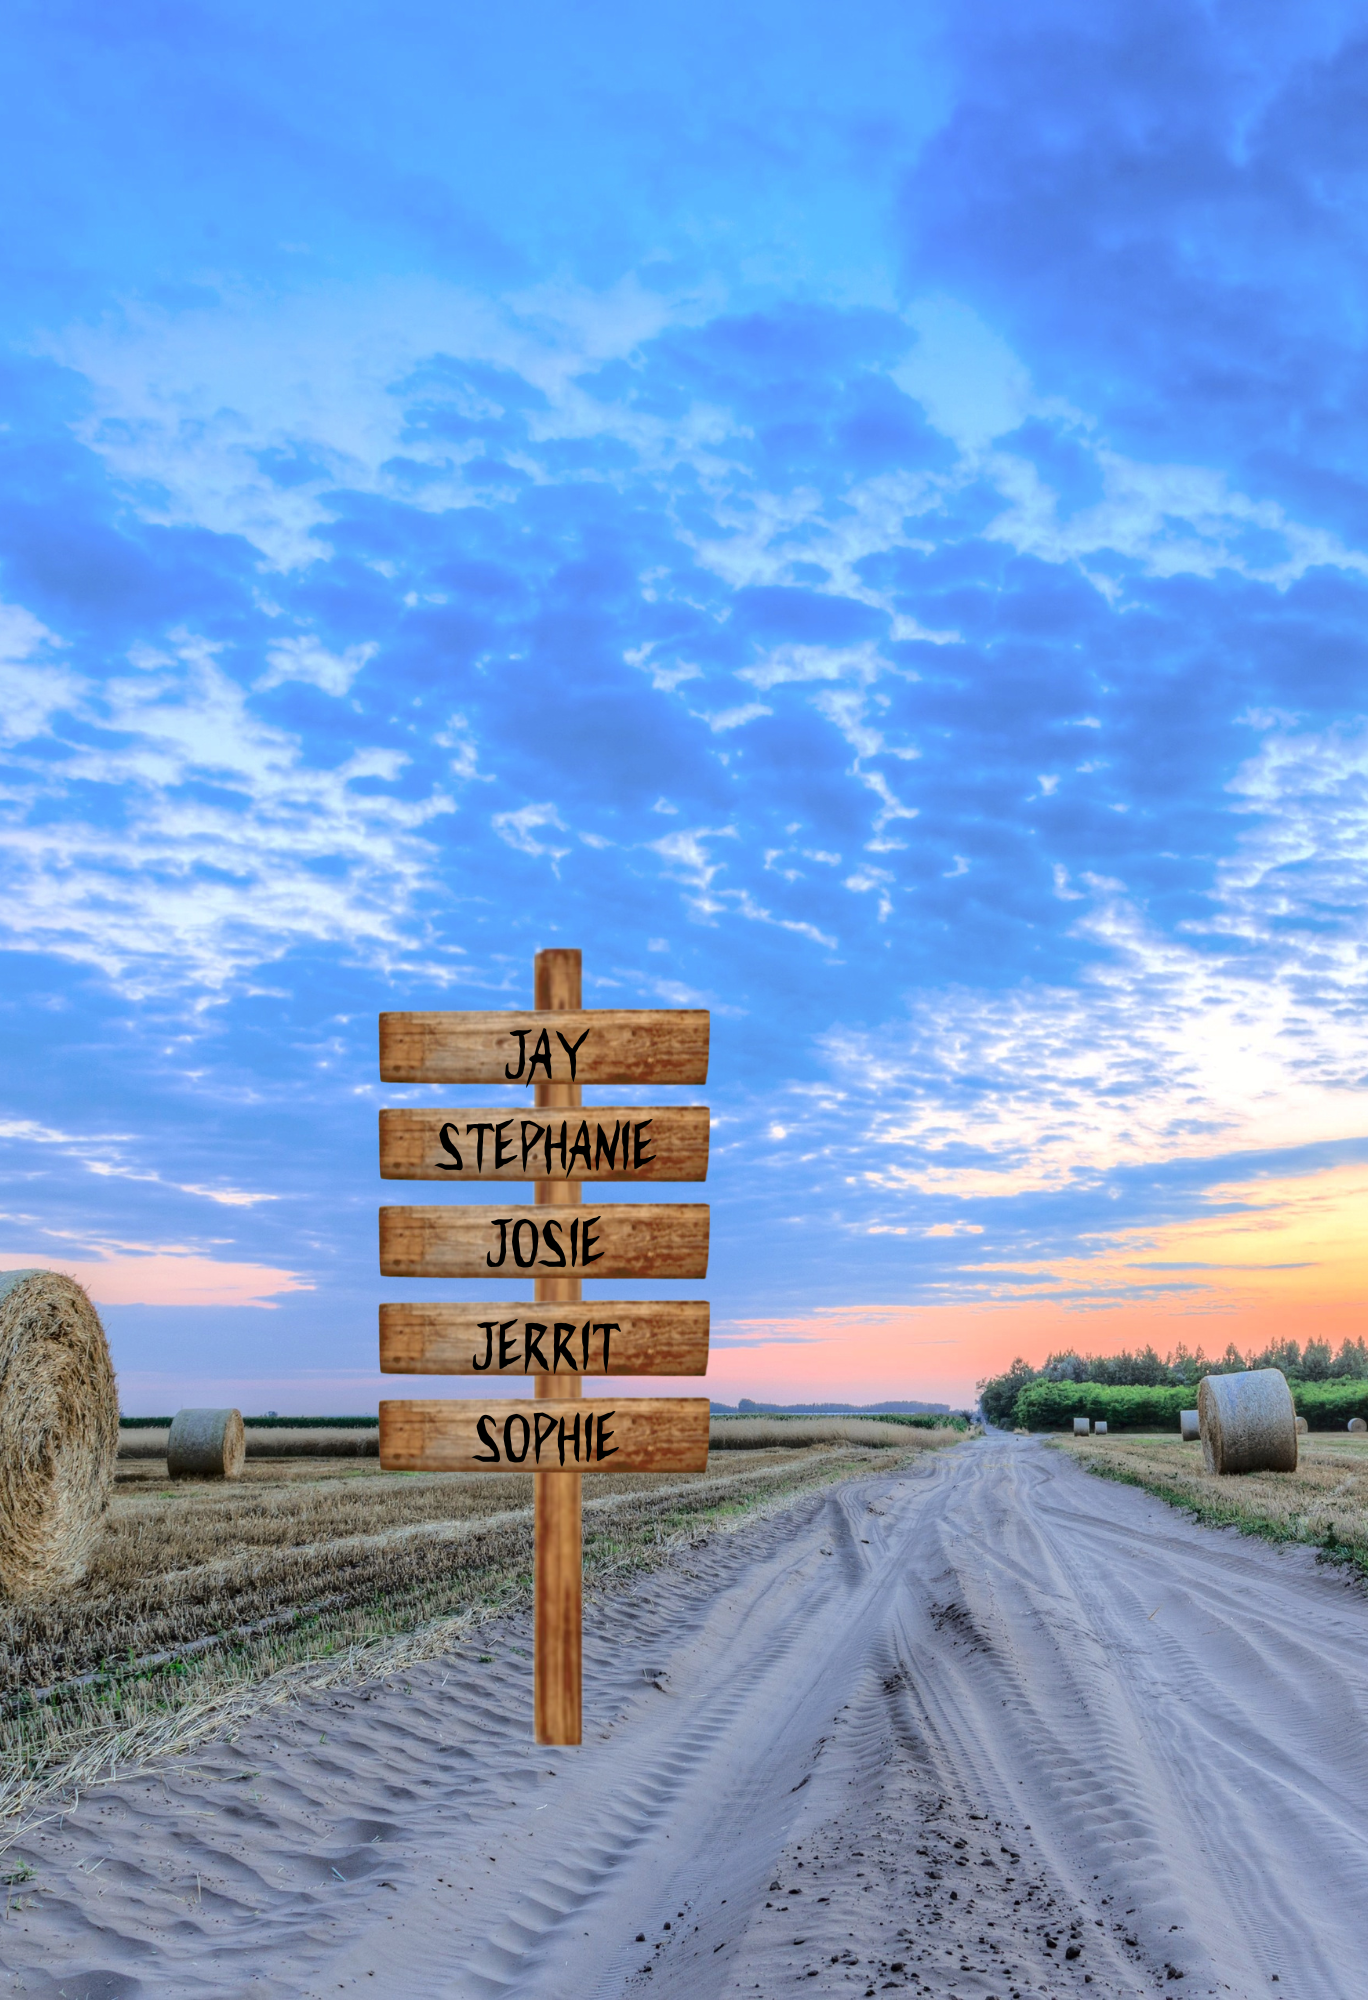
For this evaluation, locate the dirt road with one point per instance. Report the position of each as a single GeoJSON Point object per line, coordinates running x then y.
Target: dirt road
{"type": "Point", "coordinates": [989, 1726]}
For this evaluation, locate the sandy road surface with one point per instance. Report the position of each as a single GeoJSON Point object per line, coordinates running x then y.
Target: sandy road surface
{"type": "Point", "coordinates": [927, 1732]}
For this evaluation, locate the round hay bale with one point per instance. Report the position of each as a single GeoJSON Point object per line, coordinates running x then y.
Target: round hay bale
{"type": "Point", "coordinates": [1189, 1426]}
{"type": "Point", "coordinates": [1100, 1428]}
{"type": "Point", "coordinates": [59, 1433]}
{"type": "Point", "coordinates": [1357, 1424]}
{"type": "Point", "coordinates": [206, 1444]}
{"type": "Point", "coordinates": [1302, 1425]}
{"type": "Point", "coordinates": [1081, 1427]}
{"type": "Point", "coordinates": [1248, 1422]}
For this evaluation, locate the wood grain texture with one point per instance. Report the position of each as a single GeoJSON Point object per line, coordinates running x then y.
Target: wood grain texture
{"type": "Point", "coordinates": [558, 1591]}
{"type": "Point", "coordinates": [669, 1337]}
{"type": "Point", "coordinates": [615, 1045]}
{"type": "Point", "coordinates": [557, 1509]}
{"type": "Point", "coordinates": [619, 1142]}
{"type": "Point", "coordinates": [623, 1240]}
{"type": "Point", "coordinates": [633, 1434]}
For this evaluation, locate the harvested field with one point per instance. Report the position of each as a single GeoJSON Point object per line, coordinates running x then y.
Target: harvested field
{"type": "Point", "coordinates": [277, 1442]}
{"type": "Point", "coordinates": [1323, 1503]}
{"type": "Point", "coordinates": [201, 1591]}
{"type": "Point", "coordinates": [768, 1433]}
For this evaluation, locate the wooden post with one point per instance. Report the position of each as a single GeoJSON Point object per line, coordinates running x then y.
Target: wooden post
{"type": "Point", "coordinates": [636, 1239]}
{"type": "Point", "coordinates": [557, 1577]}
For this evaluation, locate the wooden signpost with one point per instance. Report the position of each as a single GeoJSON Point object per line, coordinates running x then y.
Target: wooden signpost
{"type": "Point", "coordinates": [558, 1239]}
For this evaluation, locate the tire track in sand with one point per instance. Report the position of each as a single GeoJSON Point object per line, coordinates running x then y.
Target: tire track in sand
{"type": "Point", "coordinates": [931, 1731]}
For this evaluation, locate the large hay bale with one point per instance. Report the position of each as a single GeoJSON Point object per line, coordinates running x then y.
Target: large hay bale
{"type": "Point", "coordinates": [59, 1433]}
{"type": "Point", "coordinates": [1081, 1427]}
{"type": "Point", "coordinates": [1248, 1422]}
{"type": "Point", "coordinates": [206, 1444]}
{"type": "Point", "coordinates": [1100, 1428]}
{"type": "Point", "coordinates": [1302, 1425]}
{"type": "Point", "coordinates": [1189, 1426]}
{"type": "Point", "coordinates": [1357, 1424]}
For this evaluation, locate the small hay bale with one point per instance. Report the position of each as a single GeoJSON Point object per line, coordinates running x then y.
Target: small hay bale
{"type": "Point", "coordinates": [1357, 1424]}
{"type": "Point", "coordinates": [59, 1433]}
{"type": "Point", "coordinates": [1302, 1425]}
{"type": "Point", "coordinates": [1248, 1422]}
{"type": "Point", "coordinates": [206, 1444]}
{"type": "Point", "coordinates": [1189, 1426]}
{"type": "Point", "coordinates": [1100, 1428]}
{"type": "Point", "coordinates": [1081, 1427]}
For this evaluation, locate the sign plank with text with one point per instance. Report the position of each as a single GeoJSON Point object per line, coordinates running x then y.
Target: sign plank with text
{"type": "Point", "coordinates": [611, 1142]}
{"type": "Point", "coordinates": [634, 1434]}
{"type": "Point", "coordinates": [609, 1337]}
{"type": "Point", "coordinates": [558, 1433]}
{"type": "Point", "coordinates": [595, 1046]}
{"type": "Point", "coordinates": [621, 1240]}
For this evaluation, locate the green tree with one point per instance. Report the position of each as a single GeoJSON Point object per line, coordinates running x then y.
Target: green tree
{"type": "Point", "coordinates": [998, 1393]}
{"type": "Point", "coordinates": [1064, 1367]}
{"type": "Point", "coordinates": [1316, 1361]}
{"type": "Point", "coordinates": [1284, 1354]}
{"type": "Point", "coordinates": [1188, 1365]}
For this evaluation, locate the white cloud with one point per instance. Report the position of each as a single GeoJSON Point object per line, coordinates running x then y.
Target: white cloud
{"type": "Point", "coordinates": [198, 406]}
{"type": "Point", "coordinates": [964, 375]}
{"type": "Point", "coordinates": [1176, 520]}
{"type": "Point", "coordinates": [227, 1197]}
{"type": "Point", "coordinates": [782, 664]}
{"type": "Point", "coordinates": [855, 714]}
{"type": "Point", "coordinates": [32, 690]}
{"type": "Point", "coordinates": [690, 860]}
{"type": "Point", "coordinates": [217, 847]}
{"type": "Point", "coordinates": [520, 829]}
{"type": "Point", "coordinates": [105, 1154]}
{"type": "Point", "coordinates": [459, 737]}
{"type": "Point", "coordinates": [734, 718]}
{"type": "Point", "coordinates": [305, 659]}
{"type": "Point", "coordinates": [891, 808]}
{"type": "Point", "coordinates": [866, 880]}
{"type": "Point", "coordinates": [1163, 1051]}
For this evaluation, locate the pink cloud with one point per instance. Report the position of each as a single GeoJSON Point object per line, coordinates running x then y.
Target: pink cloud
{"type": "Point", "coordinates": [168, 1278]}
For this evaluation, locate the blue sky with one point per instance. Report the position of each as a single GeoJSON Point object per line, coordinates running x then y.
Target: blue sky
{"type": "Point", "coordinates": [855, 518]}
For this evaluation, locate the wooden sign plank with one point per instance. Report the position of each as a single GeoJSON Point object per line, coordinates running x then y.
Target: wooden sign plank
{"type": "Point", "coordinates": [594, 1045]}
{"type": "Point", "coordinates": [621, 1240]}
{"type": "Point", "coordinates": [598, 1434]}
{"type": "Point", "coordinates": [608, 1143]}
{"type": "Point", "coordinates": [608, 1337]}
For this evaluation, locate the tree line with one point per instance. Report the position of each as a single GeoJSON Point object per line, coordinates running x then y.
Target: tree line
{"type": "Point", "coordinates": [1316, 1362]}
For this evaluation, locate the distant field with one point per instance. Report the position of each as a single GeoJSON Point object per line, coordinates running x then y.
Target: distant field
{"type": "Point", "coordinates": [726, 1433]}
{"type": "Point", "coordinates": [786, 1432]}
{"type": "Point", "coordinates": [308, 1570]}
{"type": "Point", "coordinates": [274, 1441]}
{"type": "Point", "coordinates": [1323, 1503]}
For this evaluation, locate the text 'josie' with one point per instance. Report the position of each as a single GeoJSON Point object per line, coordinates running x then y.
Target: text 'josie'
{"type": "Point", "coordinates": [543, 1244]}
